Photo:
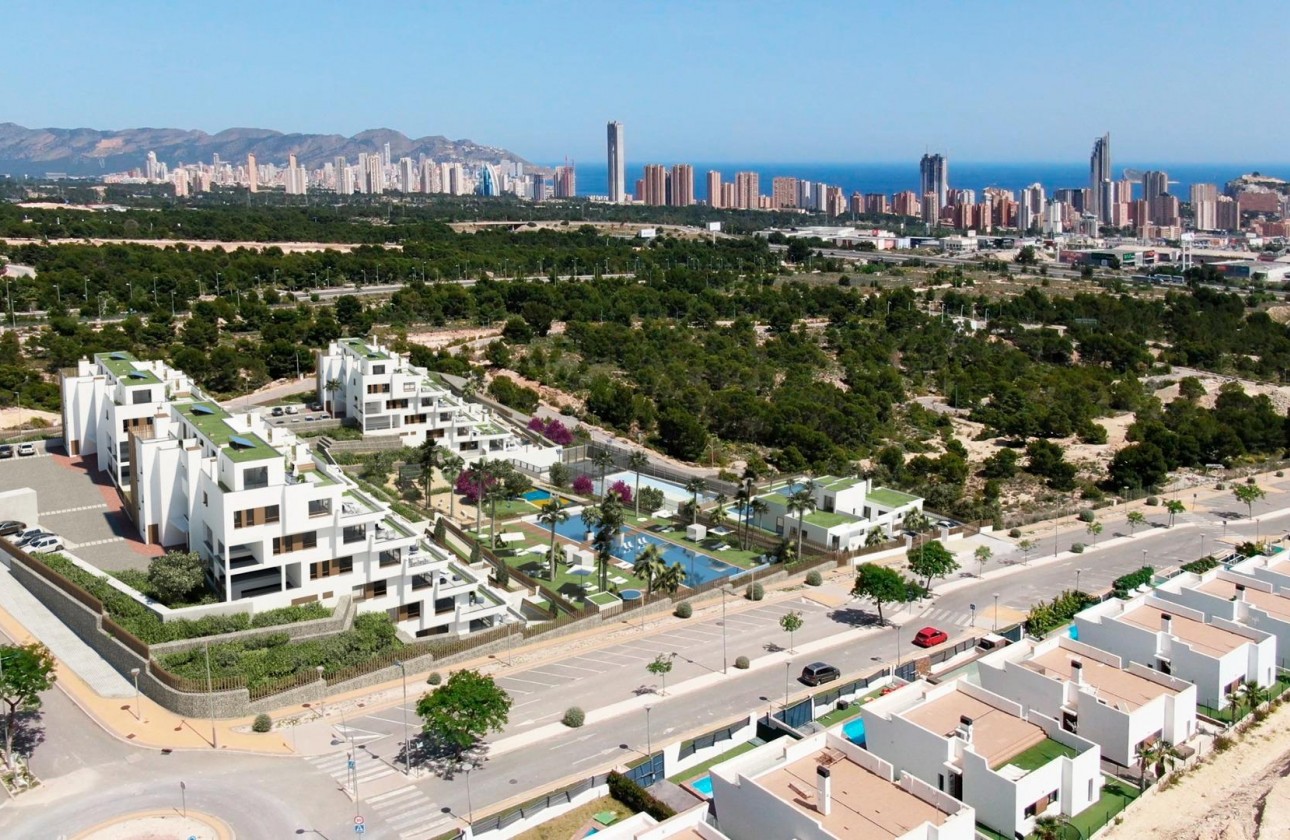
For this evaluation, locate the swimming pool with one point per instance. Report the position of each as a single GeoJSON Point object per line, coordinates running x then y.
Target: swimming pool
{"type": "Point", "coordinates": [854, 730]}
{"type": "Point", "coordinates": [671, 491]}
{"type": "Point", "coordinates": [536, 496]}
{"type": "Point", "coordinates": [698, 567]}
{"type": "Point", "coordinates": [703, 784]}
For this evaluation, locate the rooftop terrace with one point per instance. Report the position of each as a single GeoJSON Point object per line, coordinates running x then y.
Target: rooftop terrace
{"type": "Point", "coordinates": [1202, 637]}
{"type": "Point", "coordinates": [361, 348]}
{"type": "Point", "coordinates": [1120, 689]}
{"type": "Point", "coordinates": [1278, 606]}
{"type": "Point", "coordinates": [122, 365]}
{"type": "Point", "coordinates": [890, 498]}
{"type": "Point", "coordinates": [212, 422]}
{"type": "Point", "coordinates": [997, 736]}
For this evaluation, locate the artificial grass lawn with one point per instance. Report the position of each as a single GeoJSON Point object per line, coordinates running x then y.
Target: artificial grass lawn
{"type": "Point", "coordinates": [1038, 755]}
{"type": "Point", "coordinates": [1116, 796]}
{"type": "Point", "coordinates": [563, 826]}
{"type": "Point", "coordinates": [699, 769]}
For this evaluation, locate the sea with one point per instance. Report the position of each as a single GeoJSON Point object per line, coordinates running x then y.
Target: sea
{"type": "Point", "coordinates": [892, 178]}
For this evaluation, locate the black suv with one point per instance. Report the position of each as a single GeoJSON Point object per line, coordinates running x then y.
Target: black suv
{"type": "Point", "coordinates": [6, 450]}
{"type": "Point", "coordinates": [819, 672]}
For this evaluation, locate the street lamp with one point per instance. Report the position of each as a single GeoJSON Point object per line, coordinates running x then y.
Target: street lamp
{"type": "Point", "coordinates": [723, 631]}
{"type": "Point", "coordinates": [897, 626]}
{"type": "Point", "coordinates": [134, 672]}
{"type": "Point", "coordinates": [996, 612]}
{"type": "Point", "coordinates": [322, 693]}
{"type": "Point", "coordinates": [210, 695]}
{"type": "Point", "coordinates": [1078, 572]}
{"type": "Point", "coordinates": [972, 607]}
{"type": "Point", "coordinates": [649, 741]}
{"type": "Point", "coordinates": [788, 670]}
{"type": "Point", "coordinates": [407, 745]}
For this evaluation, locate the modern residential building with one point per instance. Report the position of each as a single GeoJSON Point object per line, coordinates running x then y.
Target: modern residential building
{"type": "Point", "coordinates": [934, 178]}
{"type": "Point", "coordinates": [682, 181]}
{"type": "Point", "coordinates": [1102, 195]}
{"type": "Point", "coordinates": [1228, 594]}
{"type": "Point", "coordinates": [1154, 184]}
{"type": "Point", "coordinates": [1094, 694]}
{"type": "Point", "coordinates": [566, 184]}
{"type": "Point", "coordinates": [747, 190]}
{"type": "Point", "coordinates": [654, 185]}
{"type": "Point", "coordinates": [617, 163]}
{"type": "Point", "coordinates": [715, 194]}
{"type": "Point", "coordinates": [846, 511]}
{"type": "Point", "coordinates": [386, 395]}
{"type": "Point", "coordinates": [1010, 764]}
{"type": "Point", "coordinates": [274, 523]}
{"type": "Point", "coordinates": [252, 174]}
{"type": "Point", "coordinates": [823, 787]}
{"type": "Point", "coordinates": [783, 192]}
{"type": "Point", "coordinates": [1217, 655]}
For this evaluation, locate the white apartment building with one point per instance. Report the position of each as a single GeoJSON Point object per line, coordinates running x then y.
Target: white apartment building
{"type": "Point", "coordinates": [384, 394]}
{"type": "Point", "coordinates": [1236, 597]}
{"type": "Point", "coordinates": [275, 524]}
{"type": "Point", "coordinates": [825, 788]}
{"type": "Point", "coordinates": [1093, 694]}
{"type": "Point", "coordinates": [1012, 765]}
{"type": "Point", "coordinates": [846, 510]}
{"type": "Point", "coordinates": [1217, 655]}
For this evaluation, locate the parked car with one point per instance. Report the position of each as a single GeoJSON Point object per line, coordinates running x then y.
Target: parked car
{"type": "Point", "coordinates": [277, 411]}
{"type": "Point", "coordinates": [819, 672]}
{"type": "Point", "coordinates": [49, 542]}
{"type": "Point", "coordinates": [6, 450]}
{"type": "Point", "coordinates": [930, 637]}
{"type": "Point", "coordinates": [293, 409]}
{"type": "Point", "coordinates": [26, 449]}
{"type": "Point", "coordinates": [23, 539]}
{"type": "Point", "coordinates": [313, 406]}
{"type": "Point", "coordinates": [9, 527]}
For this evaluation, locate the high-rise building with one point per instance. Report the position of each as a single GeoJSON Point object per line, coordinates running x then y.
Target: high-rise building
{"type": "Point", "coordinates": [714, 189]}
{"type": "Point", "coordinates": [835, 202]}
{"type": "Point", "coordinates": [1164, 210]}
{"type": "Point", "coordinates": [930, 208]}
{"type": "Point", "coordinates": [388, 160]}
{"type": "Point", "coordinates": [907, 203]}
{"type": "Point", "coordinates": [151, 168]}
{"type": "Point", "coordinates": [180, 180]}
{"type": "Point", "coordinates": [537, 187]}
{"type": "Point", "coordinates": [1154, 184]}
{"type": "Point", "coordinates": [1099, 178]}
{"type": "Point", "coordinates": [296, 176]}
{"type": "Point", "coordinates": [1205, 214]}
{"type": "Point", "coordinates": [682, 185]}
{"type": "Point", "coordinates": [805, 191]}
{"type": "Point", "coordinates": [747, 190]}
{"type": "Point", "coordinates": [934, 177]}
{"type": "Point", "coordinates": [728, 195]}
{"type": "Point", "coordinates": [373, 175]}
{"type": "Point", "coordinates": [617, 163]}
{"type": "Point", "coordinates": [489, 184]}
{"type": "Point", "coordinates": [1204, 192]}
{"type": "Point", "coordinates": [407, 175]}
{"type": "Point", "coordinates": [252, 173]}
{"type": "Point", "coordinates": [783, 192]}
{"type": "Point", "coordinates": [429, 176]}
{"type": "Point", "coordinates": [877, 204]}
{"type": "Point", "coordinates": [1227, 213]}
{"type": "Point", "coordinates": [566, 183]}
{"type": "Point", "coordinates": [340, 171]}
{"type": "Point", "coordinates": [655, 184]}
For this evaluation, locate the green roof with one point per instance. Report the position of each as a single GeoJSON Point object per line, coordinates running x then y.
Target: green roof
{"type": "Point", "coordinates": [829, 519]}
{"type": "Point", "coordinates": [890, 498]}
{"type": "Point", "coordinates": [211, 421]}
{"type": "Point", "coordinates": [364, 349]}
{"type": "Point", "coordinates": [1037, 756]}
{"type": "Point", "coordinates": [831, 483]}
{"type": "Point", "coordinates": [121, 364]}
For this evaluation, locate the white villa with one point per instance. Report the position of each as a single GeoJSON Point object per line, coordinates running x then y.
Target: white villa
{"type": "Point", "coordinates": [846, 510]}
{"type": "Point", "coordinates": [275, 523]}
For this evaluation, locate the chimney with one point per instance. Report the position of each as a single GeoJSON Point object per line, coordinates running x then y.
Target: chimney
{"type": "Point", "coordinates": [1167, 623]}
{"type": "Point", "coordinates": [965, 728]}
{"type": "Point", "coordinates": [1240, 592]}
{"type": "Point", "coordinates": [1077, 672]}
{"type": "Point", "coordinates": [824, 790]}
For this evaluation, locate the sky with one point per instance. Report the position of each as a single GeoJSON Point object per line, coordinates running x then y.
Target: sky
{"type": "Point", "coordinates": [811, 81]}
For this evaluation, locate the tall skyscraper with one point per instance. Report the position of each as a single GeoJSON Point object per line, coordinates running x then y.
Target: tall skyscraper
{"type": "Point", "coordinates": [407, 174]}
{"type": "Point", "coordinates": [934, 177]}
{"type": "Point", "coordinates": [682, 185]}
{"type": "Point", "coordinates": [617, 163]}
{"type": "Point", "coordinates": [783, 192]}
{"type": "Point", "coordinates": [655, 184]}
{"type": "Point", "coordinates": [252, 173]}
{"type": "Point", "coordinates": [296, 176]}
{"type": "Point", "coordinates": [1154, 184]}
{"type": "Point", "coordinates": [388, 159]}
{"type": "Point", "coordinates": [340, 171]}
{"type": "Point", "coordinates": [152, 168]}
{"type": "Point", "coordinates": [747, 190]}
{"type": "Point", "coordinates": [566, 183]}
{"type": "Point", "coordinates": [1204, 192]}
{"type": "Point", "coordinates": [1099, 179]}
{"type": "Point", "coordinates": [714, 189]}
{"type": "Point", "coordinates": [429, 176]}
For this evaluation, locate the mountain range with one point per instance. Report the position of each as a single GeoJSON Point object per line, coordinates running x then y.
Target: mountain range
{"type": "Point", "coordinates": [87, 151]}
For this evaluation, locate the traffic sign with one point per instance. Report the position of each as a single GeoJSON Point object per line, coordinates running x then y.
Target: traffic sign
{"type": "Point", "coordinates": [359, 828]}
{"type": "Point", "coordinates": [352, 763]}
{"type": "Point", "coordinates": [358, 819]}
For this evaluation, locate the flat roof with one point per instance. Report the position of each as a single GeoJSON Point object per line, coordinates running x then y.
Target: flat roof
{"type": "Point", "coordinates": [1270, 602]}
{"type": "Point", "coordinates": [890, 498]}
{"type": "Point", "coordinates": [1205, 638]}
{"type": "Point", "coordinates": [864, 805]}
{"type": "Point", "coordinates": [122, 363]}
{"type": "Point", "coordinates": [1120, 689]}
{"type": "Point", "coordinates": [829, 519]}
{"type": "Point", "coordinates": [211, 420]}
{"type": "Point", "coordinates": [997, 736]}
{"type": "Point", "coordinates": [362, 348]}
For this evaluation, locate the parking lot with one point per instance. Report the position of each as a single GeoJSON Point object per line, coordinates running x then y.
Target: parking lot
{"type": "Point", "coordinates": [82, 508]}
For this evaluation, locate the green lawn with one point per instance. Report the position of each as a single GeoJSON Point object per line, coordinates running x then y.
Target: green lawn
{"type": "Point", "coordinates": [1038, 755]}
{"type": "Point", "coordinates": [1116, 796]}
{"type": "Point", "coordinates": [699, 769]}
{"type": "Point", "coordinates": [887, 497]}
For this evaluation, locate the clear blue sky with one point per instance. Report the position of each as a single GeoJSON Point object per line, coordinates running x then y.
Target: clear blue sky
{"type": "Point", "coordinates": [714, 81]}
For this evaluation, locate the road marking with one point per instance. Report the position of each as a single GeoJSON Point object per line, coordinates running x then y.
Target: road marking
{"type": "Point", "coordinates": [574, 667]}
{"type": "Point", "coordinates": [411, 813]}
{"type": "Point", "coordinates": [378, 717]}
{"type": "Point", "coordinates": [71, 546]}
{"type": "Point", "coordinates": [534, 682]}
{"type": "Point", "coordinates": [101, 506]}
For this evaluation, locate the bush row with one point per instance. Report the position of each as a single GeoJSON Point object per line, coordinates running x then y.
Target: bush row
{"type": "Point", "coordinates": [1200, 566]}
{"type": "Point", "coordinates": [637, 798]}
{"type": "Point", "coordinates": [1047, 616]}
{"type": "Point", "coordinates": [1127, 583]}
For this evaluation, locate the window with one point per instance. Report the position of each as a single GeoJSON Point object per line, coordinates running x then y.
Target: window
{"type": "Point", "coordinates": [394, 404]}
{"type": "Point", "coordinates": [140, 396]}
{"type": "Point", "coordinates": [375, 589]}
{"type": "Point", "coordinates": [354, 533]}
{"type": "Point", "coordinates": [379, 388]}
{"type": "Point", "coordinates": [205, 499]}
{"type": "Point", "coordinates": [390, 558]}
{"type": "Point", "coordinates": [319, 507]}
{"type": "Point", "coordinates": [331, 568]}
{"type": "Point", "coordinates": [377, 370]}
{"type": "Point", "coordinates": [255, 477]}
{"type": "Point", "coordinates": [255, 516]}
{"type": "Point", "coordinates": [409, 386]}
{"type": "Point", "coordinates": [271, 514]}
{"type": "Point", "coordinates": [406, 612]}
{"type": "Point", "coordinates": [295, 542]}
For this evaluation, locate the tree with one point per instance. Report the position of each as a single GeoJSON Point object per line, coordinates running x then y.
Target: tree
{"type": "Point", "coordinates": [694, 487]}
{"type": "Point", "coordinates": [801, 503]}
{"type": "Point", "coordinates": [1135, 518]}
{"type": "Point", "coordinates": [330, 387]}
{"type": "Point", "coordinates": [1026, 547]}
{"type": "Point", "coordinates": [718, 513]}
{"type": "Point", "coordinates": [661, 667]}
{"type": "Point", "coordinates": [1168, 755]}
{"type": "Point", "coordinates": [463, 710]}
{"type": "Point", "coordinates": [604, 460]}
{"type": "Point", "coordinates": [670, 579]}
{"type": "Point", "coordinates": [637, 462]}
{"type": "Point", "coordinates": [882, 585]}
{"type": "Point", "coordinates": [649, 566]}
{"type": "Point", "coordinates": [917, 521]}
{"type": "Point", "coordinates": [1047, 828]}
{"type": "Point", "coordinates": [1026, 256]}
{"type": "Point", "coordinates": [606, 520]}
{"type": "Point", "coordinates": [1248, 494]}
{"type": "Point", "coordinates": [741, 502]}
{"type": "Point", "coordinates": [791, 622]}
{"type": "Point", "coordinates": [931, 559]}
{"type": "Point", "coordinates": [428, 457]}
{"type": "Point", "coordinates": [1094, 528]}
{"type": "Point", "coordinates": [176, 575]}
{"type": "Point", "coordinates": [552, 515]}
{"type": "Point", "coordinates": [756, 509]}
{"type": "Point", "coordinates": [682, 435]}
{"type": "Point", "coordinates": [26, 672]}
{"type": "Point", "coordinates": [982, 555]}
{"type": "Point", "coordinates": [1148, 754]}
{"type": "Point", "coordinates": [1174, 507]}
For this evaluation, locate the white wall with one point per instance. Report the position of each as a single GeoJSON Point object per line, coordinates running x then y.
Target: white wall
{"type": "Point", "coordinates": [20, 504]}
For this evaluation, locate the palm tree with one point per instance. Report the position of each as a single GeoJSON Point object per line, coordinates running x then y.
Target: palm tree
{"type": "Point", "coordinates": [670, 578]}
{"type": "Point", "coordinates": [474, 381]}
{"type": "Point", "coordinates": [649, 565]}
{"type": "Point", "coordinates": [428, 457]}
{"type": "Point", "coordinates": [450, 466]}
{"type": "Point", "coordinates": [756, 509]}
{"type": "Point", "coordinates": [1169, 755]}
{"type": "Point", "coordinates": [637, 462]}
{"type": "Point", "coordinates": [1148, 755]}
{"type": "Point", "coordinates": [1047, 828]}
{"type": "Point", "coordinates": [604, 460]}
{"type": "Point", "coordinates": [552, 515]}
{"type": "Point", "coordinates": [694, 487]}
{"type": "Point", "coordinates": [801, 502]}
{"type": "Point", "coordinates": [331, 386]}
{"type": "Point", "coordinates": [741, 499]}
{"type": "Point", "coordinates": [481, 470]}
{"type": "Point", "coordinates": [605, 519]}
{"type": "Point", "coordinates": [718, 513]}
{"type": "Point", "coordinates": [1253, 694]}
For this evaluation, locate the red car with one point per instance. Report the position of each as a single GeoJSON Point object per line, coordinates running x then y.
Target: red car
{"type": "Point", "coordinates": [930, 637]}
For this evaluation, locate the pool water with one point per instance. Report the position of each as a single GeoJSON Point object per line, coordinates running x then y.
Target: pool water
{"type": "Point", "coordinates": [703, 784]}
{"type": "Point", "coordinates": [537, 496]}
{"type": "Point", "coordinates": [854, 730]}
{"type": "Point", "coordinates": [698, 567]}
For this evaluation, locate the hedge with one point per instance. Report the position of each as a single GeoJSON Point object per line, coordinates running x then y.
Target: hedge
{"type": "Point", "coordinates": [1047, 616]}
{"type": "Point", "coordinates": [151, 630]}
{"type": "Point", "coordinates": [637, 798]}
{"type": "Point", "coordinates": [1124, 585]}
{"type": "Point", "coordinates": [1200, 566]}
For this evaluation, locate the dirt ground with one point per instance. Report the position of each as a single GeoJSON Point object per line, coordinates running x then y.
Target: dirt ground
{"type": "Point", "coordinates": [1237, 795]}
{"type": "Point", "coordinates": [12, 418]}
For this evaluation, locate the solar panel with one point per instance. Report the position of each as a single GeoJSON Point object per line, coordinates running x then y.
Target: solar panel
{"type": "Point", "coordinates": [203, 409]}
{"type": "Point", "coordinates": [134, 374]}
{"type": "Point", "coordinates": [241, 443]}
{"type": "Point", "coordinates": [121, 357]}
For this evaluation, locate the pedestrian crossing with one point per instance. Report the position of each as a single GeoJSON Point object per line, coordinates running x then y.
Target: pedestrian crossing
{"type": "Point", "coordinates": [367, 767]}
{"type": "Point", "coordinates": [410, 813]}
{"type": "Point", "coordinates": [940, 616]}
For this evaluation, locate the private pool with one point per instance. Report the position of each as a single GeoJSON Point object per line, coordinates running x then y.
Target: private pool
{"type": "Point", "coordinates": [537, 496]}
{"type": "Point", "coordinates": [698, 567]}
{"type": "Point", "coordinates": [703, 784]}
{"type": "Point", "coordinates": [854, 731]}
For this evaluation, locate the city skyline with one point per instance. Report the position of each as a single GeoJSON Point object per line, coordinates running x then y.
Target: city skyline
{"type": "Point", "coordinates": [723, 98]}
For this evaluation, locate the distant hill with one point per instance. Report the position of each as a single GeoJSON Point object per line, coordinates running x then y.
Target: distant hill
{"type": "Point", "coordinates": [86, 151]}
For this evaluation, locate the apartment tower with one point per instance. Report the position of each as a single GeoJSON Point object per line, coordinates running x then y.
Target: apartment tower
{"type": "Point", "coordinates": [617, 164]}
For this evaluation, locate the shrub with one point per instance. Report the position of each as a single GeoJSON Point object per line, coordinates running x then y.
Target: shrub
{"type": "Point", "coordinates": [1015, 533]}
{"type": "Point", "coordinates": [440, 530]}
{"type": "Point", "coordinates": [263, 723]}
{"type": "Point", "coordinates": [637, 798]}
{"type": "Point", "coordinates": [754, 592]}
{"type": "Point", "coordinates": [583, 485]}
{"type": "Point", "coordinates": [502, 575]}
{"type": "Point", "coordinates": [683, 610]}
{"type": "Point", "coordinates": [623, 490]}
{"type": "Point", "coordinates": [814, 578]}
{"type": "Point", "coordinates": [1086, 515]}
{"type": "Point", "coordinates": [574, 717]}
{"type": "Point", "coordinates": [1126, 583]}
{"type": "Point", "coordinates": [434, 678]}
{"type": "Point", "coordinates": [1078, 547]}
{"type": "Point", "coordinates": [1220, 486]}
{"type": "Point", "coordinates": [1152, 501]}
{"type": "Point", "coordinates": [741, 662]}
{"type": "Point", "coordinates": [651, 499]}
{"type": "Point", "coordinates": [1045, 617]}
{"type": "Point", "coordinates": [1223, 743]}
{"type": "Point", "coordinates": [1200, 566]}
{"type": "Point", "coordinates": [1250, 480]}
